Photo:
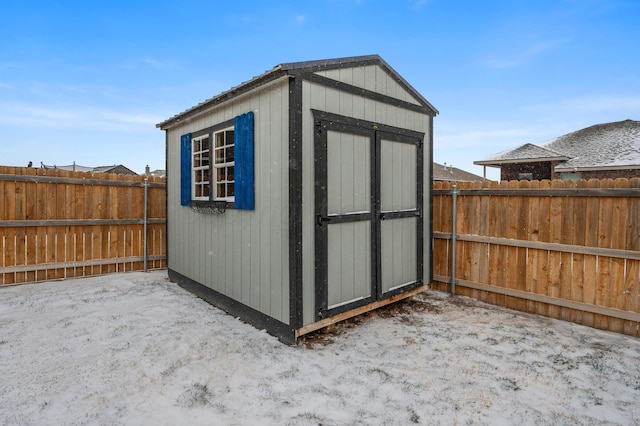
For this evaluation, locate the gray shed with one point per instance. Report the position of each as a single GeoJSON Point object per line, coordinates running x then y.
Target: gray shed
{"type": "Point", "coordinates": [302, 196]}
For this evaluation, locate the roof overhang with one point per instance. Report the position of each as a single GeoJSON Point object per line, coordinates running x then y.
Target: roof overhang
{"type": "Point", "coordinates": [256, 83]}
{"type": "Point", "coordinates": [291, 70]}
{"type": "Point", "coordinates": [561, 168]}
{"type": "Point", "coordinates": [500, 163]}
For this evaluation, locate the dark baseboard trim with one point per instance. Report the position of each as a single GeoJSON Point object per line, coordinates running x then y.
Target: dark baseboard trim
{"type": "Point", "coordinates": [284, 332]}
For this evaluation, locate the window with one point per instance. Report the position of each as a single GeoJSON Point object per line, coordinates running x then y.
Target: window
{"type": "Point", "coordinates": [216, 164]}
{"type": "Point", "coordinates": [200, 167]}
{"type": "Point", "coordinates": [525, 176]}
{"type": "Point", "coordinates": [224, 165]}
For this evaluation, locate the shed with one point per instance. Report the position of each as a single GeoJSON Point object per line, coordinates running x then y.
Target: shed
{"type": "Point", "coordinates": [302, 196]}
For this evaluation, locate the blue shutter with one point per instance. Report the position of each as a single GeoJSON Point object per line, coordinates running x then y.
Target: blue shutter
{"type": "Point", "coordinates": [244, 175]}
{"type": "Point", "coordinates": [185, 169]}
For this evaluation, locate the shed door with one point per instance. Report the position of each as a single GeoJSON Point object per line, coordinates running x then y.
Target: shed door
{"type": "Point", "coordinates": [368, 205]}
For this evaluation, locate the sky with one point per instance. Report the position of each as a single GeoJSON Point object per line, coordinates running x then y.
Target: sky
{"type": "Point", "coordinates": [87, 82]}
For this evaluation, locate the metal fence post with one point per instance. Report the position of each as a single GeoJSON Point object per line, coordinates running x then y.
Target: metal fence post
{"type": "Point", "coordinates": [146, 221]}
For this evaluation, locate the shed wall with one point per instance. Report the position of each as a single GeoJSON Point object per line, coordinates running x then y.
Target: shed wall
{"type": "Point", "coordinates": [240, 254]}
{"type": "Point", "coordinates": [331, 100]}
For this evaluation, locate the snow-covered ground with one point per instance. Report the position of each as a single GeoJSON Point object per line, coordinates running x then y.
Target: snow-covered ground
{"type": "Point", "coordinates": [136, 349]}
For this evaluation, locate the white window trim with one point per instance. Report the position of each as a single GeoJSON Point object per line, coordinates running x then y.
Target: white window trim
{"type": "Point", "coordinates": [215, 165]}
{"type": "Point", "coordinates": [195, 169]}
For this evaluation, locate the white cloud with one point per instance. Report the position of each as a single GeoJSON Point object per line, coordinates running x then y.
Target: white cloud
{"type": "Point", "coordinates": [417, 4]}
{"type": "Point", "coordinates": [82, 117]}
{"type": "Point", "coordinates": [522, 56]}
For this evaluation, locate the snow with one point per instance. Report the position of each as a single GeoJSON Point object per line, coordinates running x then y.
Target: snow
{"type": "Point", "coordinates": [602, 145]}
{"type": "Point", "coordinates": [137, 349]}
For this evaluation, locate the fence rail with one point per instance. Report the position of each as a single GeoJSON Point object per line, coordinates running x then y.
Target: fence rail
{"type": "Point", "coordinates": [60, 224]}
{"type": "Point", "coordinates": [563, 249]}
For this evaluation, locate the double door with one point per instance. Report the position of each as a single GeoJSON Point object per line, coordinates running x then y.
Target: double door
{"type": "Point", "coordinates": [368, 210]}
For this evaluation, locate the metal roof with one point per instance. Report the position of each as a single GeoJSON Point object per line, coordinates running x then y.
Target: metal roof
{"type": "Point", "coordinates": [292, 69]}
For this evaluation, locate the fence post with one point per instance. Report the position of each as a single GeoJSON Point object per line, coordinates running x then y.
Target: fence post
{"type": "Point", "coordinates": [454, 237]}
{"type": "Point", "coordinates": [146, 203]}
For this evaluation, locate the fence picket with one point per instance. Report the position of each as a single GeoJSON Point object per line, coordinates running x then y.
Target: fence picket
{"type": "Point", "coordinates": [46, 250]}
{"type": "Point", "coordinates": [590, 285]}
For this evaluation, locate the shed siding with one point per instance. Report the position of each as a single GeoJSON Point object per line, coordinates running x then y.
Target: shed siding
{"type": "Point", "coordinates": [373, 78]}
{"type": "Point", "coordinates": [241, 254]}
{"type": "Point", "coordinates": [331, 100]}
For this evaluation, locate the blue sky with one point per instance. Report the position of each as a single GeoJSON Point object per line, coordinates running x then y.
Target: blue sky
{"type": "Point", "coordinates": [87, 81]}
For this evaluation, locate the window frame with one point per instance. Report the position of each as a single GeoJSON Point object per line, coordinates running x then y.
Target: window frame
{"type": "Point", "coordinates": [210, 132]}
{"type": "Point", "coordinates": [204, 156]}
{"type": "Point", "coordinates": [222, 165]}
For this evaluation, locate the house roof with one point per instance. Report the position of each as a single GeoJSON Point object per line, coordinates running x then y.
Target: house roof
{"type": "Point", "coordinates": [293, 69]}
{"type": "Point", "coordinates": [525, 153]}
{"type": "Point", "coordinates": [606, 146]}
{"type": "Point", "coordinates": [116, 168]}
{"type": "Point", "coordinates": [450, 173]}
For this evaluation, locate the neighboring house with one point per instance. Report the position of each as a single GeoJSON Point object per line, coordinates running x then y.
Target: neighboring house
{"type": "Point", "coordinates": [157, 173]}
{"type": "Point", "coordinates": [450, 173]}
{"type": "Point", "coordinates": [302, 196]}
{"type": "Point", "coordinates": [610, 150]}
{"type": "Point", "coordinates": [117, 169]}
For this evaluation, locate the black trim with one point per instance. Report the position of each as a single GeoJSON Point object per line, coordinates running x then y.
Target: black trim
{"type": "Point", "coordinates": [209, 130]}
{"type": "Point", "coordinates": [376, 133]}
{"type": "Point", "coordinates": [297, 69]}
{"type": "Point", "coordinates": [343, 218]}
{"type": "Point", "coordinates": [320, 209]}
{"type": "Point", "coordinates": [376, 225]}
{"type": "Point", "coordinates": [284, 332]}
{"type": "Point", "coordinates": [420, 208]}
{"type": "Point", "coordinates": [309, 67]}
{"type": "Point", "coordinates": [364, 127]}
{"type": "Point", "coordinates": [223, 97]}
{"type": "Point", "coordinates": [295, 203]}
{"type": "Point", "coordinates": [401, 214]}
{"type": "Point", "coordinates": [368, 94]}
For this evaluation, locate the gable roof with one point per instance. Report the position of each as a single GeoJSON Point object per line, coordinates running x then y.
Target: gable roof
{"type": "Point", "coordinates": [295, 69]}
{"type": "Point", "coordinates": [450, 173]}
{"type": "Point", "coordinates": [606, 146]}
{"type": "Point", "coordinates": [523, 154]}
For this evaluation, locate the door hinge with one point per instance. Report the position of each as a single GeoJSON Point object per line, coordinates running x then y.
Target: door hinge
{"type": "Point", "coordinates": [321, 220]}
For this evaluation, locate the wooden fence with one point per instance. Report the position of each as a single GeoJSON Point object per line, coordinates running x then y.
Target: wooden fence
{"type": "Point", "coordinates": [563, 249]}
{"type": "Point", "coordinates": [58, 224]}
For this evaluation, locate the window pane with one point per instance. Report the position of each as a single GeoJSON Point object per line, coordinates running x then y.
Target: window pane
{"type": "Point", "coordinates": [230, 173]}
{"type": "Point", "coordinates": [229, 137]}
{"type": "Point", "coordinates": [229, 154]}
{"type": "Point", "coordinates": [205, 144]}
{"type": "Point", "coordinates": [219, 156]}
{"type": "Point", "coordinates": [220, 174]}
{"type": "Point", "coordinates": [205, 190]}
{"type": "Point", "coordinates": [230, 192]}
{"type": "Point", "coordinates": [221, 190]}
{"type": "Point", "coordinates": [219, 139]}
